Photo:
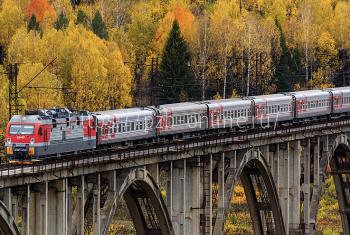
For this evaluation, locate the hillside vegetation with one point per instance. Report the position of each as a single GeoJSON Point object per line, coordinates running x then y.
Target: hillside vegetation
{"type": "Point", "coordinates": [108, 54]}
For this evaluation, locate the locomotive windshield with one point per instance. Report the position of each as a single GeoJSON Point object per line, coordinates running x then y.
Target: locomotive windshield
{"type": "Point", "coordinates": [22, 129]}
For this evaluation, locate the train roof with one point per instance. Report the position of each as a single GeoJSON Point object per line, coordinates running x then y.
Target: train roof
{"type": "Point", "coordinates": [125, 112]}
{"type": "Point", "coordinates": [228, 102]}
{"type": "Point", "coordinates": [186, 106]}
{"type": "Point", "coordinates": [265, 96]}
{"type": "Point", "coordinates": [272, 97]}
{"type": "Point", "coordinates": [346, 88]}
{"type": "Point", "coordinates": [309, 93]}
{"type": "Point", "coordinates": [337, 88]}
{"type": "Point", "coordinates": [26, 118]}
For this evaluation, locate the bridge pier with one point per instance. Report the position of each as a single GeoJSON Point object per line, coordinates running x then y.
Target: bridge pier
{"type": "Point", "coordinates": [178, 187]}
{"type": "Point", "coordinates": [284, 183]}
{"type": "Point", "coordinates": [96, 206]}
{"type": "Point", "coordinates": [295, 169]}
{"type": "Point", "coordinates": [306, 155]}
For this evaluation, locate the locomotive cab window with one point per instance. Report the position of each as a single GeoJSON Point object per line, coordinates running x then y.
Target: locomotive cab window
{"type": "Point", "coordinates": [22, 129]}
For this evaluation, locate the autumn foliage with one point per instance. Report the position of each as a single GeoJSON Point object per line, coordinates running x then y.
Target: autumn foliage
{"type": "Point", "coordinates": [41, 9]}
{"type": "Point", "coordinates": [186, 21]}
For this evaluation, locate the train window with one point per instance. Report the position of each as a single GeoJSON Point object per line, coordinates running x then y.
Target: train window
{"type": "Point", "coordinates": [138, 125]}
{"type": "Point", "coordinates": [132, 127]}
{"type": "Point", "coordinates": [232, 114]}
{"type": "Point", "coordinates": [123, 127]}
{"type": "Point", "coordinates": [183, 119]}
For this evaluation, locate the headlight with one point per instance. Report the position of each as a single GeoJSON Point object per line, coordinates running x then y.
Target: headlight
{"type": "Point", "coordinates": [31, 151]}
{"type": "Point", "coordinates": [9, 150]}
{"type": "Point", "coordinates": [32, 141]}
{"type": "Point", "coordinates": [9, 140]}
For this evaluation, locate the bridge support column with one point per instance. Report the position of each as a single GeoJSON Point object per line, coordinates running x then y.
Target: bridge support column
{"type": "Point", "coordinates": [295, 154]}
{"type": "Point", "coordinates": [208, 195]}
{"type": "Point", "coordinates": [96, 206]}
{"type": "Point", "coordinates": [7, 198]}
{"type": "Point", "coordinates": [57, 207]}
{"type": "Point", "coordinates": [178, 196]}
{"type": "Point", "coordinates": [306, 186]}
{"type": "Point", "coordinates": [35, 210]}
{"type": "Point", "coordinates": [169, 191]}
{"type": "Point", "coordinates": [192, 196]}
{"type": "Point", "coordinates": [276, 165]}
{"type": "Point", "coordinates": [284, 184]}
{"type": "Point", "coordinates": [69, 208]}
{"type": "Point", "coordinates": [80, 213]}
{"type": "Point", "coordinates": [14, 207]}
{"type": "Point", "coordinates": [111, 178]}
{"type": "Point", "coordinates": [26, 210]}
{"type": "Point", "coordinates": [317, 183]}
{"type": "Point", "coordinates": [154, 170]}
{"type": "Point", "coordinates": [220, 216]}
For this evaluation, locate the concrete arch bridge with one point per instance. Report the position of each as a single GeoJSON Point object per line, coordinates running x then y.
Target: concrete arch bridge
{"type": "Point", "coordinates": [184, 187]}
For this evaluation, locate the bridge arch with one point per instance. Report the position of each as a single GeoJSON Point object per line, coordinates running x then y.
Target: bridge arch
{"type": "Point", "coordinates": [339, 163]}
{"type": "Point", "coordinates": [145, 203]}
{"type": "Point", "coordinates": [7, 222]}
{"type": "Point", "coordinates": [260, 192]}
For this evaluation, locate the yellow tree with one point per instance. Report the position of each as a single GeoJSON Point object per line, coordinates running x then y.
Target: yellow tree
{"type": "Point", "coordinates": [141, 30]}
{"type": "Point", "coordinates": [326, 52]}
{"type": "Point", "coordinates": [24, 47]}
{"type": "Point", "coordinates": [40, 95]}
{"type": "Point", "coordinates": [341, 25]}
{"type": "Point", "coordinates": [11, 18]}
{"type": "Point", "coordinates": [223, 33]}
{"type": "Point", "coordinates": [119, 79]}
{"type": "Point", "coordinates": [94, 71]}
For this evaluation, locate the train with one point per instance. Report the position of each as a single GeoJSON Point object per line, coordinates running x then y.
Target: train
{"type": "Point", "coordinates": [55, 132]}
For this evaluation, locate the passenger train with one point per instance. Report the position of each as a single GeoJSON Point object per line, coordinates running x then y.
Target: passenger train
{"type": "Point", "coordinates": [42, 134]}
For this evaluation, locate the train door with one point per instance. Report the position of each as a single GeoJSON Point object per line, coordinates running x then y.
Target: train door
{"type": "Point", "coordinates": [301, 105]}
{"type": "Point", "coordinates": [337, 101]}
{"type": "Point", "coordinates": [216, 117]}
{"type": "Point", "coordinates": [260, 110]}
{"type": "Point", "coordinates": [164, 122]}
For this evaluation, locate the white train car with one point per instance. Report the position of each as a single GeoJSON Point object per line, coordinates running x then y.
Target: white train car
{"type": "Point", "coordinates": [229, 113]}
{"type": "Point", "coordinates": [272, 108]}
{"type": "Point", "coordinates": [123, 125]}
{"type": "Point", "coordinates": [340, 99]}
{"type": "Point", "coordinates": [181, 118]}
{"type": "Point", "coordinates": [311, 104]}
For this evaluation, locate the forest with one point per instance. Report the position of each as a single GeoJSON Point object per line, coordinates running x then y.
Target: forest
{"type": "Point", "coordinates": [109, 54]}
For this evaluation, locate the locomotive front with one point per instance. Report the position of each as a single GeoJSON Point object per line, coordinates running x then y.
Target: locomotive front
{"type": "Point", "coordinates": [23, 136]}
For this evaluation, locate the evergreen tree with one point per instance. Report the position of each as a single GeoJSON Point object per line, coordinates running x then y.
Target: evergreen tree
{"type": "Point", "coordinates": [98, 26]}
{"type": "Point", "coordinates": [32, 24]}
{"type": "Point", "coordinates": [82, 18]}
{"type": "Point", "coordinates": [61, 22]}
{"type": "Point", "coordinates": [176, 81]}
{"type": "Point", "coordinates": [288, 65]}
